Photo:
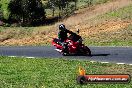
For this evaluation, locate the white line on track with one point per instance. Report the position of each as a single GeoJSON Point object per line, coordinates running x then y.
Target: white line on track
{"type": "Point", "coordinates": [120, 63]}
{"type": "Point", "coordinates": [12, 56]}
{"type": "Point", "coordinates": [29, 57]}
{"type": "Point", "coordinates": [92, 61]}
{"type": "Point", "coordinates": [104, 62]}
{"type": "Point", "coordinates": [130, 64]}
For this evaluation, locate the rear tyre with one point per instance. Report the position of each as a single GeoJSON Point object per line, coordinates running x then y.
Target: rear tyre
{"type": "Point", "coordinates": [87, 51]}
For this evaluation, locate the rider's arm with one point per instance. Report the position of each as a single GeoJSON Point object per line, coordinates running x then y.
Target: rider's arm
{"type": "Point", "coordinates": [70, 32]}
{"type": "Point", "coordinates": [59, 36]}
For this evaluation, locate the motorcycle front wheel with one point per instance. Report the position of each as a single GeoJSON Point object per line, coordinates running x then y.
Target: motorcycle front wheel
{"type": "Point", "coordinates": [65, 54]}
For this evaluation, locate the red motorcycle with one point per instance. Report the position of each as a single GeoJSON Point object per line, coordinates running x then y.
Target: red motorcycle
{"type": "Point", "coordinates": [74, 46]}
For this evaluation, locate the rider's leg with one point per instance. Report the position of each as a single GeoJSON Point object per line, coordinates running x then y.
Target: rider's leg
{"type": "Point", "coordinates": [65, 47]}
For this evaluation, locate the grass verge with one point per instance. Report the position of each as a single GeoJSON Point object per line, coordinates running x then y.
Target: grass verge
{"type": "Point", "coordinates": [54, 73]}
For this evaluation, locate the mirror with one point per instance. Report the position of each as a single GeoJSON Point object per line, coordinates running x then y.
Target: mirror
{"type": "Point", "coordinates": [78, 31]}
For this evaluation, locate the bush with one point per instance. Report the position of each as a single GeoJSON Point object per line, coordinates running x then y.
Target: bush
{"type": "Point", "coordinates": [4, 9]}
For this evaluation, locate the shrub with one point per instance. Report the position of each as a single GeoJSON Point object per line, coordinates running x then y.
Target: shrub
{"type": "Point", "coordinates": [4, 8]}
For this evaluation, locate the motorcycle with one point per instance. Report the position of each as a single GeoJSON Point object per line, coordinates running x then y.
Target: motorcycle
{"type": "Point", "coordinates": [74, 46]}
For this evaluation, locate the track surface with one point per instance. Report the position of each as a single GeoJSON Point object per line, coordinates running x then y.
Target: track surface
{"type": "Point", "coordinates": [105, 54]}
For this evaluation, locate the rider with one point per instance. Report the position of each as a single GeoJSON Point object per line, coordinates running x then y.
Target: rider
{"type": "Point", "coordinates": [62, 35]}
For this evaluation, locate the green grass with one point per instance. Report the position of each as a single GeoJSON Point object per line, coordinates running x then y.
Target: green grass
{"type": "Point", "coordinates": [4, 8]}
{"type": "Point", "coordinates": [124, 13]}
{"type": "Point", "coordinates": [84, 3]}
{"type": "Point", "coordinates": [114, 42]}
{"type": "Point", "coordinates": [54, 73]}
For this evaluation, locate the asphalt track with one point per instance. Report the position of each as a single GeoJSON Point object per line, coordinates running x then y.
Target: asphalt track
{"type": "Point", "coordinates": [103, 54]}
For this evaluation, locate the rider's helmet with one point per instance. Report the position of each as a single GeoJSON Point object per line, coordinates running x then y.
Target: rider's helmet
{"type": "Point", "coordinates": [62, 27]}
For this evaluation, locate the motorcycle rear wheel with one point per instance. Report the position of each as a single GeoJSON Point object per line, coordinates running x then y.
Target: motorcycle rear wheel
{"type": "Point", "coordinates": [87, 51]}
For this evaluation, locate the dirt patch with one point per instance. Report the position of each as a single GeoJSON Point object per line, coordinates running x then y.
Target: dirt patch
{"type": "Point", "coordinates": [109, 33]}
{"type": "Point", "coordinates": [106, 27]}
{"type": "Point", "coordinates": [34, 40]}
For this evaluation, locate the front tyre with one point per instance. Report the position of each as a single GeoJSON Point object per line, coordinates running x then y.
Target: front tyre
{"type": "Point", "coordinates": [65, 54]}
